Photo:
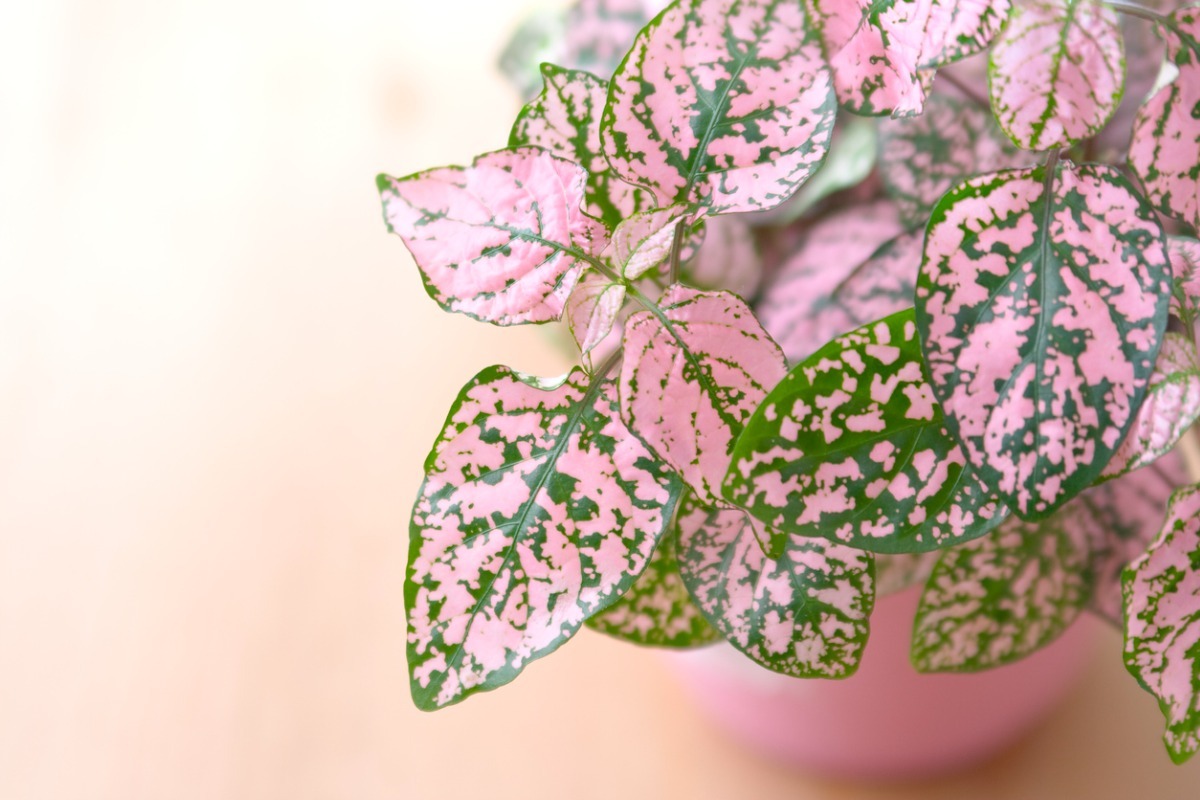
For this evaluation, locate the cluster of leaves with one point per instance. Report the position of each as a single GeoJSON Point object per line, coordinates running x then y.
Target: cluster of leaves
{"type": "Point", "coordinates": [953, 366]}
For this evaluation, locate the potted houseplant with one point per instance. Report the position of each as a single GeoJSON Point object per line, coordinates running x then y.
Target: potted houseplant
{"type": "Point", "coordinates": [854, 319]}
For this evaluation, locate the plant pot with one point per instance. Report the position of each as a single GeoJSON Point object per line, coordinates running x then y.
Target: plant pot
{"type": "Point", "coordinates": [886, 721]}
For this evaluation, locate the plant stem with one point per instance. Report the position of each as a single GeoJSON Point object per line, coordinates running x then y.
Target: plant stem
{"type": "Point", "coordinates": [1134, 10]}
{"type": "Point", "coordinates": [676, 247]}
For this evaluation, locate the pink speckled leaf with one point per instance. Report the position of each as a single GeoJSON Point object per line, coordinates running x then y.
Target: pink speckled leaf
{"type": "Point", "coordinates": [875, 48]}
{"type": "Point", "coordinates": [724, 103]}
{"type": "Point", "coordinates": [1165, 150]}
{"type": "Point", "coordinates": [811, 298]}
{"type": "Point", "coordinates": [1057, 72]}
{"type": "Point", "coordinates": [565, 119]}
{"type": "Point", "coordinates": [960, 28]}
{"type": "Point", "coordinates": [921, 158]}
{"type": "Point", "coordinates": [692, 377]}
{"type": "Point", "coordinates": [1185, 267]}
{"type": "Point", "coordinates": [804, 614]}
{"type": "Point", "coordinates": [1162, 622]}
{"type": "Point", "coordinates": [658, 611]}
{"type": "Point", "coordinates": [643, 241]}
{"type": "Point", "coordinates": [997, 599]}
{"type": "Point", "coordinates": [1130, 510]}
{"type": "Point", "coordinates": [600, 32]}
{"type": "Point", "coordinates": [1172, 404]}
{"type": "Point", "coordinates": [592, 312]}
{"type": "Point", "coordinates": [1041, 303]}
{"type": "Point", "coordinates": [850, 446]}
{"type": "Point", "coordinates": [539, 508]}
{"type": "Point", "coordinates": [728, 258]}
{"type": "Point", "coordinates": [501, 240]}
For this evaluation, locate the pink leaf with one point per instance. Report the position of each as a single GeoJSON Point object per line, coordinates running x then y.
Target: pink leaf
{"type": "Point", "coordinates": [724, 103]}
{"type": "Point", "coordinates": [1042, 301]}
{"type": "Point", "coordinates": [1165, 149]}
{"type": "Point", "coordinates": [599, 32]}
{"type": "Point", "coordinates": [501, 240]}
{"type": "Point", "coordinates": [1057, 72]}
{"type": "Point", "coordinates": [1185, 265]}
{"type": "Point", "coordinates": [692, 377]}
{"type": "Point", "coordinates": [506, 559]}
{"type": "Point", "coordinates": [1162, 622]}
{"type": "Point", "coordinates": [643, 241]}
{"type": "Point", "coordinates": [959, 28]}
{"type": "Point", "coordinates": [875, 49]}
{"type": "Point", "coordinates": [592, 311]}
{"type": "Point", "coordinates": [728, 258]}
{"type": "Point", "coordinates": [815, 295]}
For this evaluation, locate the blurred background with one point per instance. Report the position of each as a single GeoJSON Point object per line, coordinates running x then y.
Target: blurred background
{"type": "Point", "coordinates": [218, 379]}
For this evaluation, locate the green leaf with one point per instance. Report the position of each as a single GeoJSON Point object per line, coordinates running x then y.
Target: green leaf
{"type": "Point", "coordinates": [850, 446]}
{"type": "Point", "coordinates": [805, 614]}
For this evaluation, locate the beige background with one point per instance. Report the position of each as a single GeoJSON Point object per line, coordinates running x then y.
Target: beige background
{"type": "Point", "coordinates": [218, 378]}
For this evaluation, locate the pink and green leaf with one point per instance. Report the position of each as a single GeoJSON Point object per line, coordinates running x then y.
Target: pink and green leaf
{"type": "Point", "coordinates": [815, 295]}
{"type": "Point", "coordinates": [692, 374]}
{"type": "Point", "coordinates": [1171, 406]}
{"type": "Point", "coordinates": [1185, 266]}
{"type": "Point", "coordinates": [502, 240]}
{"type": "Point", "coordinates": [875, 50]}
{"type": "Point", "coordinates": [726, 105]}
{"type": "Point", "coordinates": [1165, 149]}
{"type": "Point", "coordinates": [1041, 303]}
{"type": "Point", "coordinates": [658, 611]}
{"type": "Point", "coordinates": [995, 600]}
{"type": "Point", "coordinates": [643, 241]}
{"type": "Point", "coordinates": [851, 447]}
{"type": "Point", "coordinates": [509, 552]}
{"type": "Point", "coordinates": [961, 28]}
{"type": "Point", "coordinates": [1057, 72]}
{"type": "Point", "coordinates": [592, 312]}
{"type": "Point", "coordinates": [804, 614]}
{"type": "Point", "coordinates": [1130, 511]}
{"type": "Point", "coordinates": [1162, 622]}
{"type": "Point", "coordinates": [565, 119]}
{"type": "Point", "coordinates": [921, 158]}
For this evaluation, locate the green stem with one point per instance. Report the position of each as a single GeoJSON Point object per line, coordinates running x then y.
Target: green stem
{"type": "Point", "coordinates": [1134, 10]}
{"type": "Point", "coordinates": [676, 247]}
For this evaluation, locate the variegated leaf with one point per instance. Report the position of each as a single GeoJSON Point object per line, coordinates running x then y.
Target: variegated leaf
{"type": "Point", "coordinates": [1041, 303]}
{"type": "Point", "coordinates": [643, 241]}
{"type": "Point", "coordinates": [922, 158]}
{"type": "Point", "coordinates": [1057, 72]}
{"type": "Point", "coordinates": [829, 257]}
{"type": "Point", "coordinates": [997, 599]}
{"type": "Point", "coordinates": [851, 447]}
{"type": "Point", "coordinates": [1172, 404]}
{"type": "Point", "coordinates": [850, 160]}
{"type": "Point", "coordinates": [727, 260]}
{"type": "Point", "coordinates": [600, 32]}
{"type": "Point", "coordinates": [1130, 511]}
{"type": "Point", "coordinates": [501, 240]}
{"type": "Point", "coordinates": [691, 377]}
{"type": "Point", "coordinates": [1165, 149]}
{"type": "Point", "coordinates": [1185, 268]}
{"type": "Point", "coordinates": [592, 311]}
{"type": "Point", "coordinates": [1162, 622]}
{"type": "Point", "coordinates": [875, 49]}
{"type": "Point", "coordinates": [724, 103]}
{"type": "Point", "coordinates": [536, 41]}
{"type": "Point", "coordinates": [960, 28]}
{"type": "Point", "coordinates": [658, 611]}
{"type": "Point", "coordinates": [565, 119]}
{"type": "Point", "coordinates": [539, 508]}
{"type": "Point", "coordinates": [804, 614]}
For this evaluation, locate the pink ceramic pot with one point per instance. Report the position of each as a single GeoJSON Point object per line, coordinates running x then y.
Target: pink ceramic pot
{"type": "Point", "coordinates": [887, 720]}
